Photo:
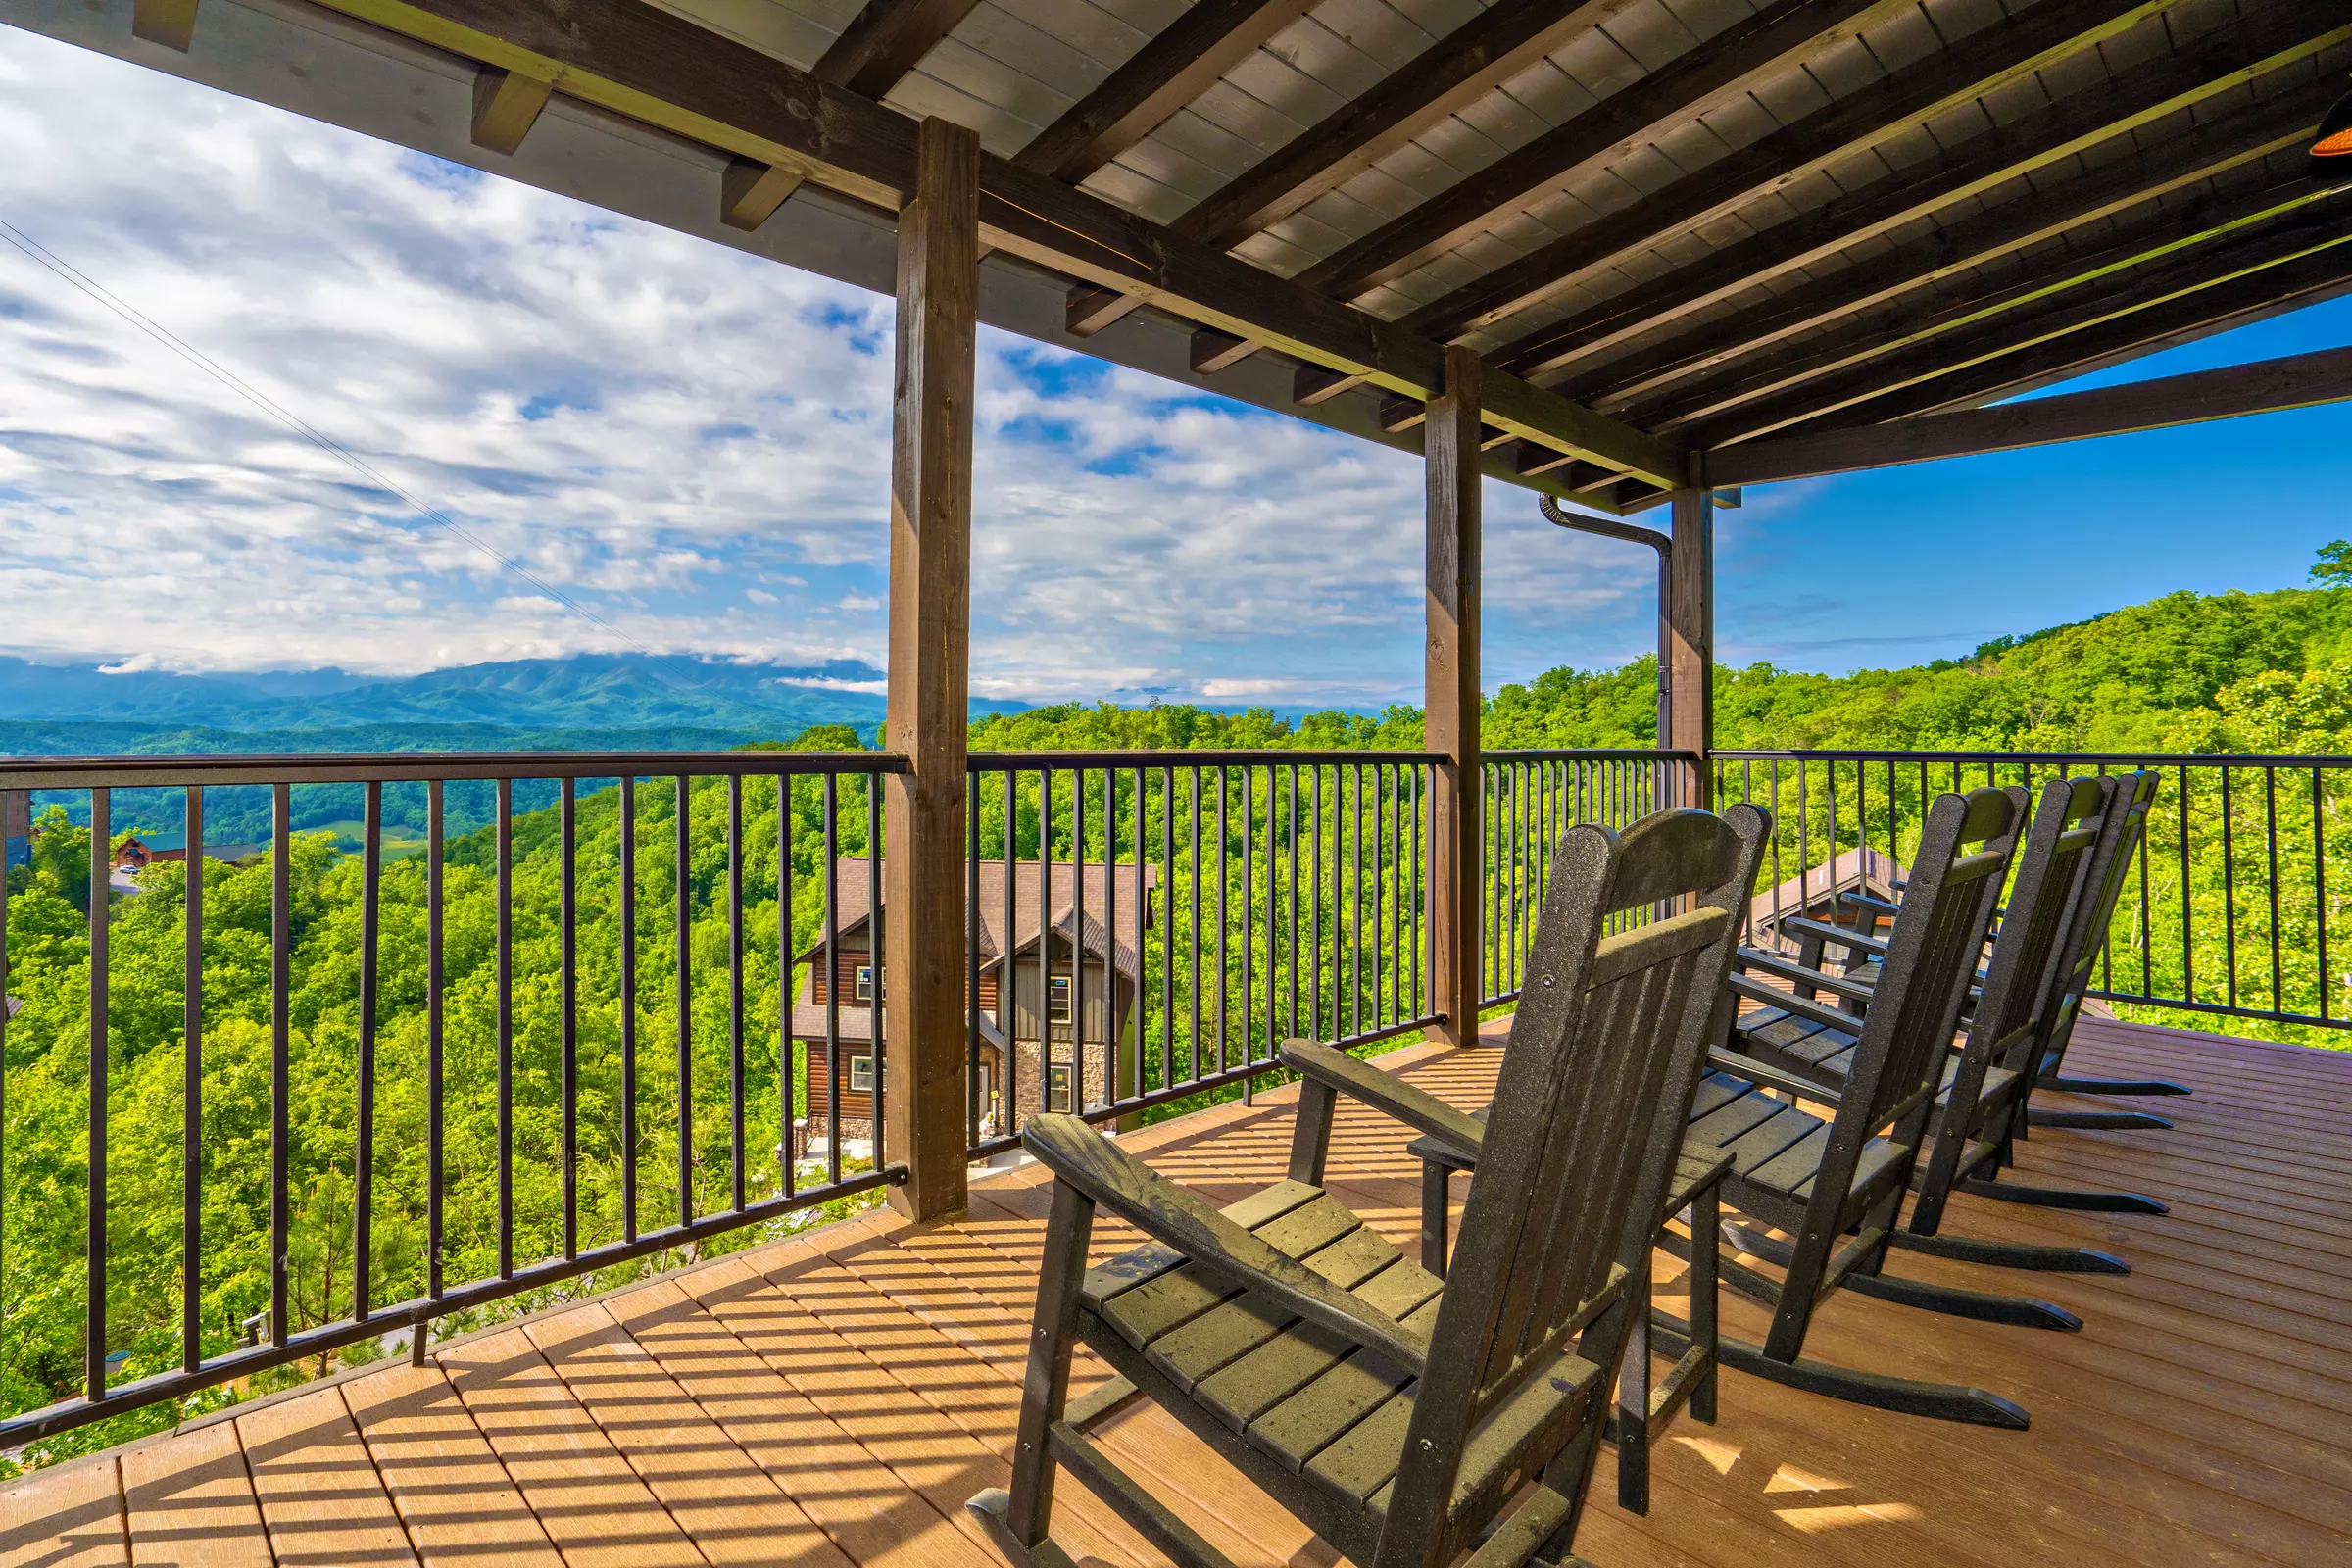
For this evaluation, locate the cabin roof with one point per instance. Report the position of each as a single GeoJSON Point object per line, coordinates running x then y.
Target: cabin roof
{"type": "Point", "coordinates": [1103, 884]}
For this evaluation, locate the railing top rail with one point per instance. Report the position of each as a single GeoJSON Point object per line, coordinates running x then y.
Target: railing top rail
{"type": "Point", "coordinates": [2133, 758]}
{"type": "Point", "coordinates": [1176, 757]}
{"type": "Point", "coordinates": [1589, 754]}
{"type": "Point", "coordinates": [355, 767]}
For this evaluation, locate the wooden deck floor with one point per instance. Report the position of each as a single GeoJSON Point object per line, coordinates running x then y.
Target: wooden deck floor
{"type": "Point", "coordinates": [832, 1400]}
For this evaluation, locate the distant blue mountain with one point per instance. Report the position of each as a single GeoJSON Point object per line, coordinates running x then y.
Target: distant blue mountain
{"type": "Point", "coordinates": [588, 692]}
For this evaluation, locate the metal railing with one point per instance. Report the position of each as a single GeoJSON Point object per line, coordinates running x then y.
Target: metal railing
{"type": "Point", "coordinates": [1528, 800]}
{"type": "Point", "coordinates": [482, 1073]}
{"type": "Point", "coordinates": [2231, 909]}
{"type": "Point", "coordinates": [1243, 898]}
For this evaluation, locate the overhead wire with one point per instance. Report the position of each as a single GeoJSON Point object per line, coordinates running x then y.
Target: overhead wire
{"type": "Point", "coordinates": [41, 254]}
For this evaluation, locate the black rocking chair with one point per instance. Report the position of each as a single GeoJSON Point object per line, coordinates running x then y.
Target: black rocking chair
{"type": "Point", "coordinates": [1395, 1413]}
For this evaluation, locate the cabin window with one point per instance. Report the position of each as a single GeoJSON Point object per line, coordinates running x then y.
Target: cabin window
{"type": "Point", "coordinates": [1058, 998]}
{"type": "Point", "coordinates": [862, 1075]}
{"type": "Point", "coordinates": [865, 984]}
{"type": "Point", "coordinates": [1058, 1089]}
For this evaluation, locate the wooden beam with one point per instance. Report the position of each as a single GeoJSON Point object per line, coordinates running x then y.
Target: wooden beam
{"type": "Point", "coordinates": [658, 68]}
{"type": "Point", "coordinates": [1213, 351]}
{"type": "Point", "coordinates": [2204, 224]}
{"type": "Point", "coordinates": [1166, 73]}
{"type": "Point", "coordinates": [1687, 658]}
{"type": "Point", "coordinates": [1706, 78]}
{"type": "Point", "coordinates": [2114, 188]}
{"type": "Point", "coordinates": [2178, 276]}
{"type": "Point", "coordinates": [885, 41]}
{"type": "Point", "coordinates": [2209, 66]}
{"type": "Point", "coordinates": [1451, 696]}
{"type": "Point", "coordinates": [2297, 381]}
{"type": "Point", "coordinates": [505, 106]}
{"type": "Point", "coordinates": [1972, 66]}
{"type": "Point", "coordinates": [1490, 48]}
{"type": "Point", "coordinates": [750, 191]}
{"type": "Point", "coordinates": [170, 23]}
{"type": "Point", "coordinates": [930, 653]}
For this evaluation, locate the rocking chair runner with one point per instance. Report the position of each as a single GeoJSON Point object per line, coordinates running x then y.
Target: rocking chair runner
{"type": "Point", "coordinates": [1986, 1080]}
{"type": "Point", "coordinates": [1395, 1413]}
{"type": "Point", "coordinates": [1836, 1187]}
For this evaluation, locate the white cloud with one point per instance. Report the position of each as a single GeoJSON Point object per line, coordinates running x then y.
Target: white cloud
{"type": "Point", "coordinates": [647, 423]}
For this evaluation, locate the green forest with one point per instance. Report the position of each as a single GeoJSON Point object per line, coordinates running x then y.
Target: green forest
{"type": "Point", "coordinates": [2227, 673]}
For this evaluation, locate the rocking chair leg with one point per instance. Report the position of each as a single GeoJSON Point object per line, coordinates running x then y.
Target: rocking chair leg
{"type": "Point", "coordinates": [1940, 1402]}
{"type": "Point", "coordinates": [2014, 1254]}
{"type": "Point", "coordinates": [2113, 1086]}
{"type": "Point", "coordinates": [1706, 1244]}
{"type": "Point", "coordinates": [1437, 1211]}
{"type": "Point", "coordinates": [1020, 1521]}
{"type": "Point", "coordinates": [2066, 1198]}
{"type": "Point", "coordinates": [2097, 1121]}
{"type": "Point", "coordinates": [2019, 1312]}
{"type": "Point", "coordinates": [1633, 1401]}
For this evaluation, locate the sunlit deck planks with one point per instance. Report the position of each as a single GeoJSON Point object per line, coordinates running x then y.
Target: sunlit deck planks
{"type": "Point", "coordinates": [833, 1399]}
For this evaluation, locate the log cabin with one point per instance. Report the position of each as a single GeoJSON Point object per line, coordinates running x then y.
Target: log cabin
{"type": "Point", "coordinates": [1055, 1056]}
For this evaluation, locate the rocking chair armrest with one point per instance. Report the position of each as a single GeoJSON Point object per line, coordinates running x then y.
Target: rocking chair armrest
{"type": "Point", "coordinates": [1773, 963]}
{"type": "Point", "coordinates": [1417, 1108]}
{"type": "Point", "coordinates": [1854, 941]}
{"type": "Point", "coordinates": [1117, 1180]}
{"type": "Point", "coordinates": [1756, 1072]}
{"type": "Point", "coordinates": [1868, 902]}
{"type": "Point", "coordinates": [1804, 1007]}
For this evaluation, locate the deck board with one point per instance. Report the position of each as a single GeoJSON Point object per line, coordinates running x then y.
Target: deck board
{"type": "Point", "coordinates": [831, 1399]}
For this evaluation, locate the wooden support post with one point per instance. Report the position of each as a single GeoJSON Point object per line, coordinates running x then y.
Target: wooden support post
{"type": "Point", "coordinates": [1688, 646]}
{"type": "Point", "coordinates": [930, 644]}
{"type": "Point", "coordinates": [1451, 456]}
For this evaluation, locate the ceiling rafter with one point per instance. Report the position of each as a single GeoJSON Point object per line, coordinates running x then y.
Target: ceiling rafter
{"type": "Point", "coordinates": [2146, 97]}
{"type": "Point", "coordinates": [885, 41]}
{"type": "Point", "coordinates": [2114, 187]}
{"type": "Point", "coordinates": [2182, 235]}
{"type": "Point", "coordinates": [1489, 49]}
{"type": "Point", "coordinates": [2312, 234]}
{"type": "Point", "coordinates": [1977, 65]}
{"type": "Point", "coordinates": [661, 69]}
{"type": "Point", "coordinates": [1170, 72]}
{"type": "Point", "coordinates": [1701, 80]}
{"type": "Point", "coordinates": [2267, 386]}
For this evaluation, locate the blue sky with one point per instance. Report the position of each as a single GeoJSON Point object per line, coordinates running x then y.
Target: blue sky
{"type": "Point", "coordinates": [691, 446]}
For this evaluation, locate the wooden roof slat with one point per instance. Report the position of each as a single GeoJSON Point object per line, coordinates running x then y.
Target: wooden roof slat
{"type": "Point", "coordinates": [2267, 386]}
{"type": "Point", "coordinates": [1168, 73]}
{"type": "Point", "coordinates": [2198, 225]}
{"type": "Point", "coordinates": [1972, 68]}
{"type": "Point", "coordinates": [2115, 186]}
{"type": "Point", "coordinates": [2316, 228]}
{"type": "Point", "coordinates": [1695, 84]}
{"type": "Point", "coordinates": [885, 41]}
{"type": "Point", "coordinates": [1491, 47]}
{"type": "Point", "coordinates": [661, 69]}
{"type": "Point", "coordinates": [2214, 63]}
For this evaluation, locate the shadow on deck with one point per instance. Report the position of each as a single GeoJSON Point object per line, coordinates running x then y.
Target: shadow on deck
{"type": "Point", "coordinates": [833, 1399]}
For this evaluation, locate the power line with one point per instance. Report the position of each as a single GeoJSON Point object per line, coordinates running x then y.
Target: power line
{"type": "Point", "coordinates": [312, 434]}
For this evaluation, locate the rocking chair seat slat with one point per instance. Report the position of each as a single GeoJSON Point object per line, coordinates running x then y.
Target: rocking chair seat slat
{"type": "Point", "coordinates": [1289, 1362]}
{"type": "Point", "coordinates": [1328, 1406]}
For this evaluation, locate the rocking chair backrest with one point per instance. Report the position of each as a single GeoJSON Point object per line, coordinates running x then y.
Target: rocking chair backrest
{"type": "Point", "coordinates": [1577, 1154]}
{"type": "Point", "coordinates": [2123, 827]}
{"type": "Point", "coordinates": [2052, 869]}
{"type": "Point", "coordinates": [1931, 957]}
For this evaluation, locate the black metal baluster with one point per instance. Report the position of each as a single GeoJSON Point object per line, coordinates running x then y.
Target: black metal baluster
{"type": "Point", "coordinates": [191, 1069]}
{"type": "Point", "coordinates": [878, 1028]}
{"type": "Point", "coordinates": [2318, 894]}
{"type": "Point", "coordinates": [832, 854]}
{"type": "Point", "coordinates": [1044, 949]}
{"type": "Point", "coordinates": [2188, 974]}
{"type": "Point", "coordinates": [1224, 921]}
{"type": "Point", "coordinates": [2228, 885]}
{"type": "Point", "coordinates": [506, 1028]}
{"type": "Point", "coordinates": [735, 998]}
{"type": "Point", "coordinates": [787, 1177]}
{"type": "Point", "coordinates": [2270, 807]}
{"type": "Point", "coordinates": [1249, 933]}
{"type": "Point", "coordinates": [1009, 969]}
{"type": "Point", "coordinates": [435, 1067]}
{"type": "Point", "coordinates": [363, 1176]}
{"type": "Point", "coordinates": [102, 871]}
{"type": "Point", "coordinates": [682, 893]}
{"type": "Point", "coordinates": [973, 785]}
{"type": "Point", "coordinates": [1143, 902]}
{"type": "Point", "coordinates": [1315, 900]}
{"type": "Point", "coordinates": [628, 1004]}
{"type": "Point", "coordinates": [1078, 1042]}
{"type": "Point", "coordinates": [1167, 927]}
{"type": "Point", "coordinates": [281, 947]}
{"type": "Point", "coordinates": [568, 935]}
{"type": "Point", "coordinates": [1290, 1023]}
{"type": "Point", "coordinates": [1356, 896]}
